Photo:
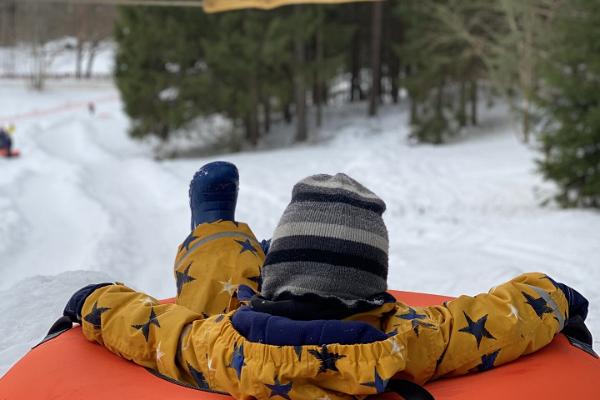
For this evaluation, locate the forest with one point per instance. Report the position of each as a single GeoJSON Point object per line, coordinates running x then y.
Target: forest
{"type": "Point", "coordinates": [445, 60]}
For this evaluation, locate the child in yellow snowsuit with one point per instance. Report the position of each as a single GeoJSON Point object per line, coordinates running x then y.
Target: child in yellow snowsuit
{"type": "Point", "coordinates": [312, 319]}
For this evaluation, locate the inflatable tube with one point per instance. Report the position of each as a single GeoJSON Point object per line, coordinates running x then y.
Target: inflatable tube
{"type": "Point", "coordinates": [70, 367]}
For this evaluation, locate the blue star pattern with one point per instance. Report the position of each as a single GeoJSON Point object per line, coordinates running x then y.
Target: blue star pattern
{"type": "Point", "coordinates": [94, 317]}
{"type": "Point", "coordinates": [539, 305]}
{"type": "Point", "coordinates": [487, 361]}
{"type": "Point", "coordinates": [416, 324]}
{"type": "Point", "coordinates": [182, 278]}
{"type": "Point", "coordinates": [198, 377]}
{"type": "Point", "coordinates": [379, 384]}
{"type": "Point", "coordinates": [415, 319]}
{"type": "Point", "coordinates": [237, 360]}
{"type": "Point", "coordinates": [298, 350]}
{"type": "Point", "coordinates": [188, 241]}
{"type": "Point", "coordinates": [477, 328]}
{"type": "Point", "coordinates": [145, 328]}
{"type": "Point", "coordinates": [326, 359]}
{"type": "Point", "coordinates": [411, 315]}
{"type": "Point", "coordinates": [279, 389]}
{"type": "Point", "coordinates": [246, 246]}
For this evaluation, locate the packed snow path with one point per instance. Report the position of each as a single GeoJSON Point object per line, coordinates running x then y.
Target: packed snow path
{"type": "Point", "coordinates": [84, 197]}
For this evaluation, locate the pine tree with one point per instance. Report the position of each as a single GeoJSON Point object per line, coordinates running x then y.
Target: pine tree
{"type": "Point", "coordinates": [245, 57]}
{"type": "Point", "coordinates": [442, 71]}
{"type": "Point", "coordinates": [160, 68]}
{"type": "Point", "coordinates": [571, 139]}
{"type": "Point", "coordinates": [326, 56]}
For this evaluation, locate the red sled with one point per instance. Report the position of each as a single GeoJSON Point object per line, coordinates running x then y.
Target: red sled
{"type": "Point", "coordinates": [13, 153]}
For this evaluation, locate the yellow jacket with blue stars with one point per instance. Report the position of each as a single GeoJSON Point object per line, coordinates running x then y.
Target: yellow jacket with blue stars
{"type": "Point", "coordinates": [211, 340]}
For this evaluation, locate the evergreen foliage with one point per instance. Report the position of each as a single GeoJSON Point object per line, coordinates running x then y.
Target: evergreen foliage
{"type": "Point", "coordinates": [571, 102]}
{"type": "Point", "coordinates": [174, 66]}
{"type": "Point", "coordinates": [245, 64]}
{"type": "Point", "coordinates": [160, 68]}
{"type": "Point", "coordinates": [255, 67]}
{"type": "Point", "coordinates": [442, 72]}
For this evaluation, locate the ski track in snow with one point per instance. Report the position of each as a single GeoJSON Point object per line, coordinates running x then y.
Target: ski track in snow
{"type": "Point", "coordinates": [83, 197]}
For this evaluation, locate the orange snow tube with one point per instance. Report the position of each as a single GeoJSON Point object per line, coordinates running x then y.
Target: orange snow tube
{"type": "Point", "coordinates": [70, 367]}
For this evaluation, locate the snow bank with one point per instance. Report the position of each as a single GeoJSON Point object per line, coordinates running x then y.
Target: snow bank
{"type": "Point", "coordinates": [32, 305]}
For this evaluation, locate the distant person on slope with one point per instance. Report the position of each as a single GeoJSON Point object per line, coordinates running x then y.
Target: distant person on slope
{"type": "Point", "coordinates": [312, 319]}
{"type": "Point", "coordinates": [6, 140]}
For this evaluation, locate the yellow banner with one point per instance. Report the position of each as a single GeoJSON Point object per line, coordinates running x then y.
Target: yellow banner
{"type": "Point", "coordinates": [213, 6]}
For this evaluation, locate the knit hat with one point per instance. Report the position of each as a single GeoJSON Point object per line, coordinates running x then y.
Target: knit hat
{"type": "Point", "coordinates": [331, 242]}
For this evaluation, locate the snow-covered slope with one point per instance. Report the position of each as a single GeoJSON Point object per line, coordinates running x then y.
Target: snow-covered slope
{"type": "Point", "coordinates": [461, 217]}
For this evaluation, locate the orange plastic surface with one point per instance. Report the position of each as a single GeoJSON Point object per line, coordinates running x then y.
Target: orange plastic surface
{"type": "Point", "coordinates": [70, 367]}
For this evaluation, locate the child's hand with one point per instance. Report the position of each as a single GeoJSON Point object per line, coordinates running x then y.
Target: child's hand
{"type": "Point", "coordinates": [578, 305]}
{"type": "Point", "coordinates": [75, 303]}
{"type": "Point", "coordinates": [578, 310]}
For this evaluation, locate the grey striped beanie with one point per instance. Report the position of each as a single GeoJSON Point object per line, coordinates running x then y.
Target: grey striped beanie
{"type": "Point", "coordinates": [331, 241]}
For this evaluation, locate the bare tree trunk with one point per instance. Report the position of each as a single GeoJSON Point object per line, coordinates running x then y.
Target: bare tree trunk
{"type": "Point", "coordinates": [318, 89]}
{"type": "Point", "coordinates": [78, 58]}
{"type": "Point", "coordinates": [394, 80]}
{"type": "Point", "coordinates": [38, 74]}
{"type": "Point", "coordinates": [94, 44]}
{"type": "Point", "coordinates": [287, 113]}
{"type": "Point", "coordinates": [526, 120]}
{"type": "Point", "coordinates": [355, 89]}
{"type": "Point", "coordinates": [474, 101]}
{"type": "Point", "coordinates": [527, 71]}
{"type": "Point", "coordinates": [299, 83]}
{"type": "Point", "coordinates": [462, 111]}
{"type": "Point", "coordinates": [439, 111]}
{"type": "Point", "coordinates": [8, 28]}
{"type": "Point", "coordinates": [253, 127]}
{"type": "Point", "coordinates": [414, 109]}
{"type": "Point", "coordinates": [376, 30]}
{"type": "Point", "coordinates": [439, 100]}
{"type": "Point", "coordinates": [393, 34]}
{"type": "Point", "coordinates": [251, 123]}
{"type": "Point", "coordinates": [414, 116]}
{"type": "Point", "coordinates": [267, 114]}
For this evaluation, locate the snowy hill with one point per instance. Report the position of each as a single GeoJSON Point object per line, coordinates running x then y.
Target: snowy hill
{"type": "Point", "coordinates": [86, 204]}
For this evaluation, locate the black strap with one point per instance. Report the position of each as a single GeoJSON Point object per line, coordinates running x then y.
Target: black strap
{"type": "Point", "coordinates": [181, 383]}
{"type": "Point", "coordinates": [583, 346]}
{"type": "Point", "coordinates": [579, 335]}
{"type": "Point", "coordinates": [575, 328]}
{"type": "Point", "coordinates": [61, 325]}
{"type": "Point", "coordinates": [408, 390]}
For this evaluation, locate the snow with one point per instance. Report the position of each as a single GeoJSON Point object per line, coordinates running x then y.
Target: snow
{"type": "Point", "coordinates": [25, 320]}
{"type": "Point", "coordinates": [87, 204]}
{"type": "Point", "coordinates": [58, 57]}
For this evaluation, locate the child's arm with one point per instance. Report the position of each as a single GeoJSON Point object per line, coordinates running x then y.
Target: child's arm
{"type": "Point", "coordinates": [138, 328]}
{"type": "Point", "coordinates": [478, 333]}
